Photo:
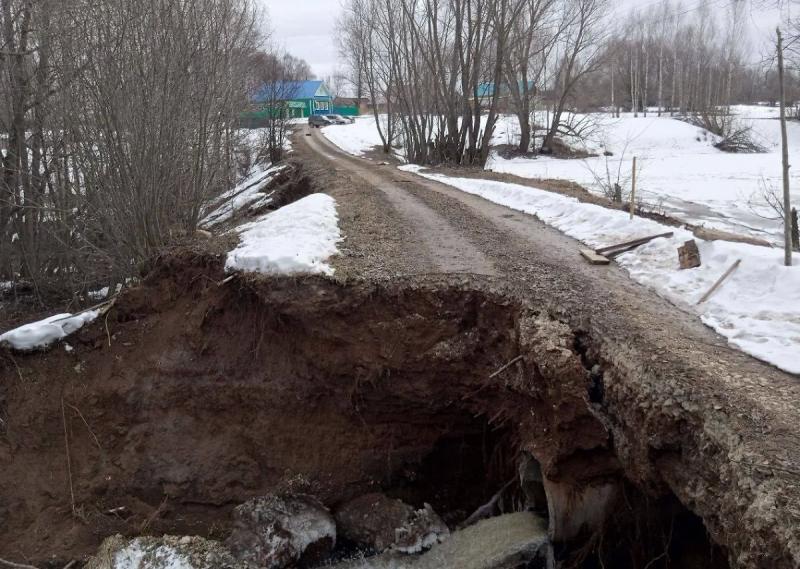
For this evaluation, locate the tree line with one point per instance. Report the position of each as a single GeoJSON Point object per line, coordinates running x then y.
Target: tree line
{"type": "Point", "coordinates": [439, 68]}
{"type": "Point", "coordinates": [442, 70]}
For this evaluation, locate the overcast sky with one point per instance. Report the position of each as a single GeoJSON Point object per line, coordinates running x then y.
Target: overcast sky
{"type": "Point", "coordinates": [306, 27]}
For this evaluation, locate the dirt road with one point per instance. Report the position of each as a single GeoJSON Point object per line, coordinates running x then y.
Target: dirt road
{"type": "Point", "coordinates": [720, 428]}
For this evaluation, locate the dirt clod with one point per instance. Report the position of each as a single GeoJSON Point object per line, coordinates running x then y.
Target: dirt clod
{"type": "Point", "coordinates": [377, 522]}
{"type": "Point", "coordinates": [275, 532]}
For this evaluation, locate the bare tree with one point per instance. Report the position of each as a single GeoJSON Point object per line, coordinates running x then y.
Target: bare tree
{"type": "Point", "coordinates": [277, 80]}
{"type": "Point", "coordinates": [582, 53]}
{"type": "Point", "coordinates": [366, 32]}
{"type": "Point", "coordinates": [534, 35]}
{"type": "Point", "coordinates": [120, 124]}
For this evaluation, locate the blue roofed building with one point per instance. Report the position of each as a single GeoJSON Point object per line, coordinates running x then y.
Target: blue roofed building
{"type": "Point", "coordinates": [300, 98]}
{"type": "Point", "coordinates": [486, 91]}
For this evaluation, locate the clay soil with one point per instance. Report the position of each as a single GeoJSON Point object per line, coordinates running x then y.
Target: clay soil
{"type": "Point", "coordinates": [193, 397]}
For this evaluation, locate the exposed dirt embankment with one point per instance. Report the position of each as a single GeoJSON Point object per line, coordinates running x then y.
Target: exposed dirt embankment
{"type": "Point", "coordinates": [194, 396]}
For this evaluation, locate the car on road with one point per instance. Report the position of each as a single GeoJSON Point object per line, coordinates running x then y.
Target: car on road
{"type": "Point", "coordinates": [337, 119]}
{"type": "Point", "coordinates": [318, 121]}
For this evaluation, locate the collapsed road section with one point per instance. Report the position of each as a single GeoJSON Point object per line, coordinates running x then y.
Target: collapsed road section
{"type": "Point", "coordinates": [199, 393]}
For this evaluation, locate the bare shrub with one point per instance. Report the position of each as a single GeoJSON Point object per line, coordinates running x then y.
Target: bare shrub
{"type": "Point", "coordinates": [767, 203]}
{"type": "Point", "coordinates": [119, 122]}
{"type": "Point", "coordinates": [735, 137]}
{"type": "Point", "coordinates": [613, 183]}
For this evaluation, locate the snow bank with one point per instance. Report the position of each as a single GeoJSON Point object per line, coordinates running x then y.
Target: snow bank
{"type": "Point", "coordinates": [245, 194]}
{"type": "Point", "coordinates": [298, 238]}
{"type": "Point", "coordinates": [757, 309]}
{"type": "Point", "coordinates": [40, 335]}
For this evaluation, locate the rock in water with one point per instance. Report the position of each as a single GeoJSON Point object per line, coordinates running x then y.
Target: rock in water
{"type": "Point", "coordinates": [274, 532]}
{"type": "Point", "coordinates": [379, 523]}
{"type": "Point", "coordinates": [504, 542]}
{"type": "Point", "coordinates": [162, 553]}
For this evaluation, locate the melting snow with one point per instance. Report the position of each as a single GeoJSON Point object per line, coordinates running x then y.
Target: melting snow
{"type": "Point", "coordinates": [757, 309]}
{"type": "Point", "coordinates": [134, 556]}
{"type": "Point", "coordinates": [357, 138]}
{"type": "Point", "coordinates": [246, 194]}
{"type": "Point", "coordinates": [298, 238]}
{"type": "Point", "coordinates": [39, 335]}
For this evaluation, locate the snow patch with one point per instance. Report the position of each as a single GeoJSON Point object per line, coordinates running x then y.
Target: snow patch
{"type": "Point", "coordinates": [135, 556]}
{"type": "Point", "coordinates": [40, 335]}
{"type": "Point", "coordinates": [298, 238]}
{"type": "Point", "coordinates": [357, 139]}
{"type": "Point", "coordinates": [757, 309]}
{"type": "Point", "coordinates": [246, 194]}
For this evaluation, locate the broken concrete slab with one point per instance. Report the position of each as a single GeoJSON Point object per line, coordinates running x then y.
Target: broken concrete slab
{"type": "Point", "coordinates": [503, 542]}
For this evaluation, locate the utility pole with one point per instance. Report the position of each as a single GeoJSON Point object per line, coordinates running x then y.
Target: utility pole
{"type": "Point", "coordinates": [787, 206]}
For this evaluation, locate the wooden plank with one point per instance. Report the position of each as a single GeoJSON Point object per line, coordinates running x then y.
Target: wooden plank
{"type": "Point", "coordinates": [594, 258]}
{"type": "Point", "coordinates": [634, 243]}
{"type": "Point", "coordinates": [718, 284]}
{"type": "Point", "coordinates": [617, 252]}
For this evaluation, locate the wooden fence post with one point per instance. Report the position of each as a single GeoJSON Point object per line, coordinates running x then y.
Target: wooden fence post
{"type": "Point", "coordinates": [633, 189]}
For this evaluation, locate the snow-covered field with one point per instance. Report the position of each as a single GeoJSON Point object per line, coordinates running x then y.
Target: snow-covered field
{"type": "Point", "coordinates": [758, 307]}
{"type": "Point", "coordinates": [297, 238]}
{"type": "Point", "coordinates": [680, 172]}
